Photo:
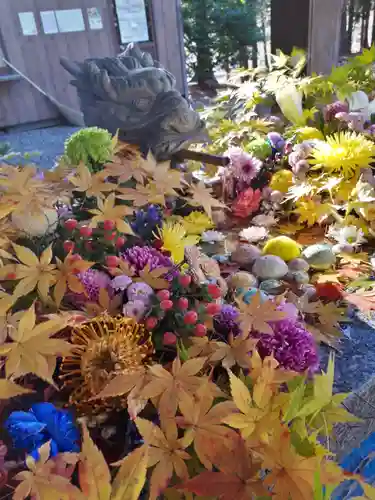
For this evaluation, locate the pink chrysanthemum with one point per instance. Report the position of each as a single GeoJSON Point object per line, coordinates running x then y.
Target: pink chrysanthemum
{"type": "Point", "coordinates": [244, 166]}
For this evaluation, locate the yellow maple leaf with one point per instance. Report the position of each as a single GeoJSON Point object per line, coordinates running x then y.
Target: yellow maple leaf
{"type": "Point", "coordinates": [310, 212]}
{"type": "Point", "coordinates": [66, 276]}
{"type": "Point", "coordinates": [93, 185]}
{"type": "Point", "coordinates": [250, 420]}
{"type": "Point", "coordinates": [9, 389]}
{"type": "Point", "coordinates": [42, 480]}
{"type": "Point", "coordinates": [257, 315]}
{"type": "Point", "coordinates": [107, 210]}
{"type": "Point", "coordinates": [166, 452]}
{"type": "Point", "coordinates": [33, 272]}
{"type": "Point", "coordinates": [166, 180]}
{"type": "Point", "coordinates": [95, 477]}
{"type": "Point", "coordinates": [201, 196]}
{"type": "Point", "coordinates": [31, 348]}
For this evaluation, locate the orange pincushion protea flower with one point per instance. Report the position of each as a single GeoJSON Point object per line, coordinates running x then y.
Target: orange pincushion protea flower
{"type": "Point", "coordinates": [104, 348]}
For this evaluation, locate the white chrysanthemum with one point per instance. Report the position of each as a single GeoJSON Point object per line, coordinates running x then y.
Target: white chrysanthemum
{"type": "Point", "coordinates": [348, 235]}
{"type": "Point", "coordinates": [212, 236]}
{"type": "Point", "coordinates": [253, 234]}
{"type": "Point", "coordinates": [264, 220]}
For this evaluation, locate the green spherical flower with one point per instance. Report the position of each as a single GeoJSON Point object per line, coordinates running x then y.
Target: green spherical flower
{"type": "Point", "coordinates": [92, 146]}
{"type": "Point", "coordinates": [260, 148]}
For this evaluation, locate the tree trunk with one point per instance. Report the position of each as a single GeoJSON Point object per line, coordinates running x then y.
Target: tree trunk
{"type": "Point", "coordinates": [243, 56]}
{"type": "Point", "coordinates": [351, 14]}
{"type": "Point", "coordinates": [344, 49]}
{"type": "Point", "coordinates": [254, 55]}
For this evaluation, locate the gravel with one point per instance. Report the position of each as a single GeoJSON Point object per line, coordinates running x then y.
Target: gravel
{"type": "Point", "coordinates": [48, 142]}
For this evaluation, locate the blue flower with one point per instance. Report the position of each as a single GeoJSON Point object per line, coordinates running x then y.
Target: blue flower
{"type": "Point", "coordinates": [147, 221]}
{"type": "Point", "coordinates": [44, 422]}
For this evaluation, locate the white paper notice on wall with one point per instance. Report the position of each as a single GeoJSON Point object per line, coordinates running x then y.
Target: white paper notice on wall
{"type": "Point", "coordinates": [132, 19]}
{"type": "Point", "coordinates": [69, 21]}
{"type": "Point", "coordinates": [28, 24]}
{"type": "Point", "coordinates": [49, 22]}
{"type": "Point", "coordinates": [95, 19]}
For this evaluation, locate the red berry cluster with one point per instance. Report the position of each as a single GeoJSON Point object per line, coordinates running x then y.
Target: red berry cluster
{"type": "Point", "coordinates": [81, 236]}
{"type": "Point", "coordinates": [180, 313]}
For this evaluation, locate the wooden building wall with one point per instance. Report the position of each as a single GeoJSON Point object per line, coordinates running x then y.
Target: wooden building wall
{"type": "Point", "coordinates": [38, 56]}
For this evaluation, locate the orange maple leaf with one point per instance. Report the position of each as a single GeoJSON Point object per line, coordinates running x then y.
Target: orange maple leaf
{"type": "Point", "coordinates": [364, 301]}
{"type": "Point", "coordinates": [201, 196]}
{"type": "Point", "coordinates": [203, 422]}
{"type": "Point", "coordinates": [235, 352]}
{"type": "Point", "coordinates": [166, 452]}
{"type": "Point", "coordinates": [66, 276]}
{"type": "Point", "coordinates": [257, 315]}
{"type": "Point", "coordinates": [239, 476]}
{"type": "Point", "coordinates": [168, 386]}
{"type": "Point", "coordinates": [291, 475]}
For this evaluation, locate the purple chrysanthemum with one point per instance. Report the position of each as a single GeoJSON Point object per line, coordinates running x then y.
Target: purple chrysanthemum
{"type": "Point", "coordinates": [139, 257]}
{"type": "Point", "coordinates": [331, 110]}
{"type": "Point", "coordinates": [93, 281]}
{"type": "Point", "coordinates": [225, 322]}
{"type": "Point", "coordinates": [291, 345]}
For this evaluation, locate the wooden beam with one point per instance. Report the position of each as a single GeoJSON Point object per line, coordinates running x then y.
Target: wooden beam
{"type": "Point", "coordinates": [169, 41]}
{"type": "Point", "coordinates": [324, 35]}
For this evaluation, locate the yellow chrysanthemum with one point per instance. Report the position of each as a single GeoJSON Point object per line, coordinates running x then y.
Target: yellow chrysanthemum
{"type": "Point", "coordinates": [175, 239]}
{"type": "Point", "coordinates": [345, 153]}
{"type": "Point", "coordinates": [309, 133]}
{"type": "Point", "coordinates": [197, 222]}
{"type": "Point", "coordinates": [282, 181]}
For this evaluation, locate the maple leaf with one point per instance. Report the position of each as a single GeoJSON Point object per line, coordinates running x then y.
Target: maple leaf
{"type": "Point", "coordinates": [256, 315]}
{"type": "Point", "coordinates": [323, 409]}
{"type": "Point", "coordinates": [235, 352]}
{"type": "Point", "coordinates": [139, 196]}
{"type": "Point", "coordinates": [128, 163]}
{"type": "Point", "coordinates": [168, 385]}
{"type": "Point", "coordinates": [201, 346]}
{"type": "Point", "coordinates": [154, 278]}
{"type": "Point", "coordinates": [251, 419]}
{"type": "Point", "coordinates": [105, 303]}
{"type": "Point", "coordinates": [9, 389]}
{"type": "Point", "coordinates": [166, 180]}
{"type": "Point", "coordinates": [202, 197]}
{"type": "Point", "coordinates": [33, 272]}
{"type": "Point", "coordinates": [93, 185]}
{"type": "Point", "coordinates": [107, 210]}
{"type": "Point", "coordinates": [95, 477]}
{"type": "Point", "coordinates": [239, 477]}
{"type": "Point", "coordinates": [203, 422]}
{"type": "Point", "coordinates": [42, 481]}
{"type": "Point", "coordinates": [364, 301]}
{"type": "Point", "coordinates": [310, 212]}
{"type": "Point", "coordinates": [290, 475]}
{"type": "Point", "coordinates": [32, 348]}
{"type": "Point", "coordinates": [66, 276]}
{"type": "Point", "coordinates": [166, 452]}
